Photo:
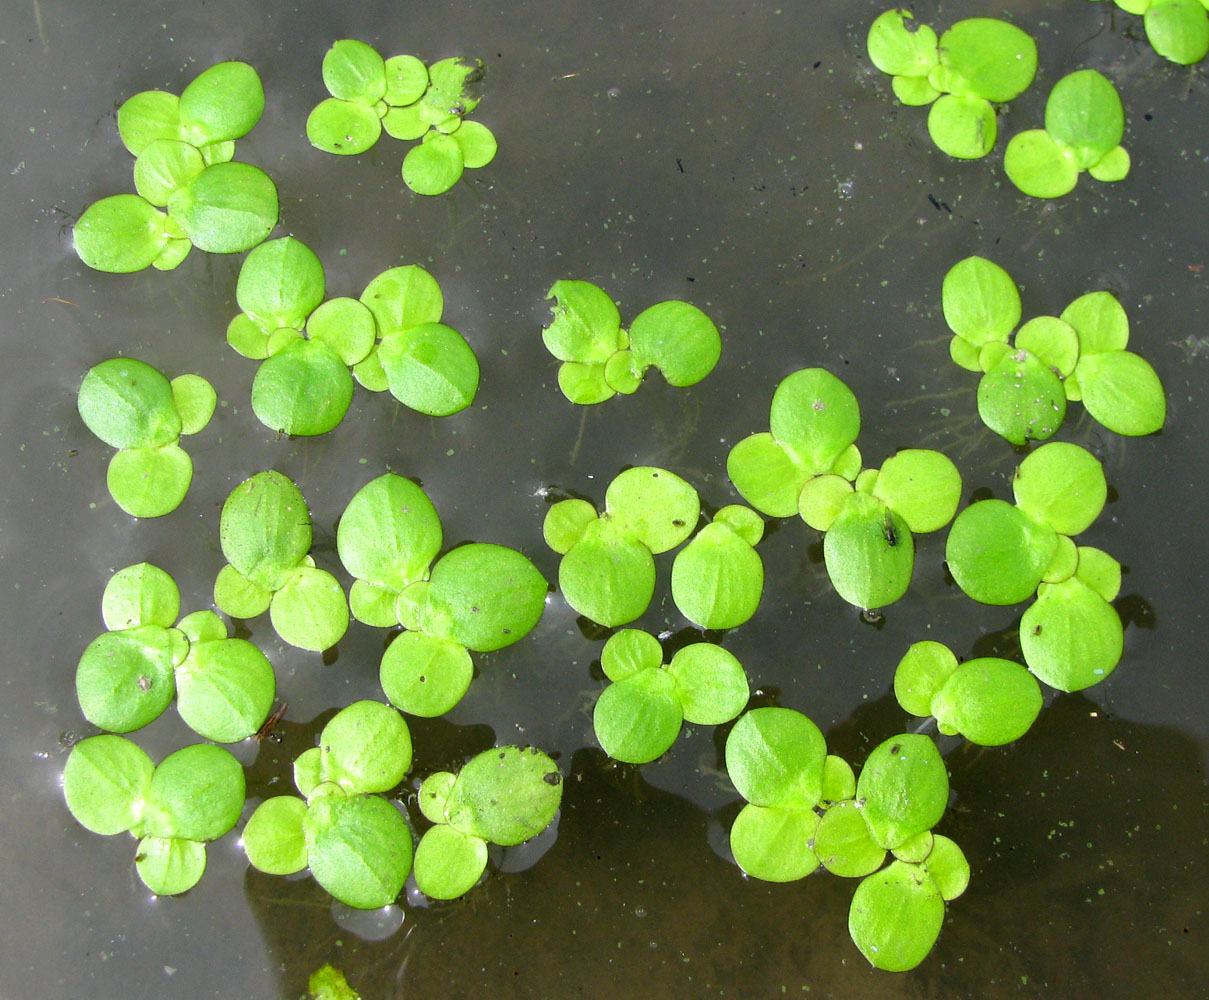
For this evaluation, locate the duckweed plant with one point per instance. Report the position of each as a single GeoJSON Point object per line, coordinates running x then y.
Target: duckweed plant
{"type": "Point", "coordinates": [407, 100]}
{"type": "Point", "coordinates": [805, 809]}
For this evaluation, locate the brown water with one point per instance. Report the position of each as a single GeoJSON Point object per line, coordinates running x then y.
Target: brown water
{"type": "Point", "coordinates": [748, 160]}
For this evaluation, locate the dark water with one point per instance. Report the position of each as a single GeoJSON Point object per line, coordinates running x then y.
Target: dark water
{"type": "Point", "coordinates": [747, 159]}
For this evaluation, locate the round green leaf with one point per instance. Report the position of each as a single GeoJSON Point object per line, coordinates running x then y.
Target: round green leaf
{"type": "Point", "coordinates": [141, 594]}
{"type": "Point", "coordinates": [308, 771]}
{"type": "Point", "coordinates": [948, 867]}
{"type": "Point", "coordinates": [280, 283]}
{"type": "Point", "coordinates": [1123, 392]}
{"type": "Point", "coordinates": [773, 844]}
{"type": "Point", "coordinates": [366, 747]}
{"type": "Point", "coordinates": [608, 576]}
{"type": "Point", "coordinates": [430, 368]}
{"type": "Point", "coordinates": [128, 404]}
{"type": "Point", "coordinates": [586, 325]}
{"type": "Point", "coordinates": [711, 684]}
{"type": "Point", "coordinates": [1064, 563]}
{"type": "Point", "coordinates": [225, 689]}
{"type": "Point", "coordinates": [903, 789]}
{"type": "Point", "coordinates": [896, 916]}
{"type": "Point", "coordinates": [434, 166]}
{"type": "Point", "coordinates": [766, 475]}
{"type": "Point", "coordinates": [921, 486]}
{"type": "Point", "coordinates": [354, 71]}
{"type": "Point", "coordinates": [173, 254]}
{"type": "Point", "coordinates": [814, 417]}
{"type": "Point", "coordinates": [628, 651]}
{"type": "Point", "coordinates": [120, 234]}
{"type": "Point", "coordinates": [655, 506]}
{"type": "Point", "coordinates": [343, 127]}
{"type": "Point", "coordinates": [149, 482]}
{"type": "Point", "coordinates": [584, 384]}
{"type": "Point", "coordinates": [124, 679]}
{"type": "Point", "coordinates": [202, 626]}
{"type": "Point", "coordinates": [223, 102]}
{"type": "Point", "coordinates": [247, 338]}
{"type": "Point", "coordinates": [433, 797]}
{"type": "Point", "coordinates": [678, 339]}
{"type": "Point", "coordinates": [1021, 399]}
{"type": "Point", "coordinates": [1062, 485]}
{"type": "Point", "coordinates": [1100, 321]}
{"type": "Point", "coordinates": [989, 701]}
{"type": "Point", "coordinates": [1084, 113]}
{"type": "Point", "coordinates": [403, 297]}
{"type": "Point", "coordinates": [305, 389]}
{"type": "Point", "coordinates": [506, 795]}
{"type": "Point", "coordinates": [1052, 341]}
{"type": "Point", "coordinates": [405, 123]}
{"type": "Point", "coordinates": [1112, 166]}
{"type": "Point", "coordinates": [265, 529]}
{"type": "Point", "coordinates": [774, 757]}
{"type": "Point", "coordinates": [196, 793]}
{"type": "Point", "coordinates": [372, 604]}
{"type": "Point", "coordinates": [195, 400]}
{"type": "Point", "coordinates": [839, 782]}
{"type": "Point", "coordinates": [227, 208]}
{"type": "Point", "coordinates": [1178, 30]}
{"type": "Point", "coordinates": [369, 372]}
{"type": "Point", "coordinates": [1039, 165]}
{"type": "Point", "coordinates": [638, 718]}
{"type": "Point", "coordinates": [238, 596]}
{"type": "Point", "coordinates": [423, 675]}
{"type": "Point", "coordinates": [1100, 571]}
{"type": "Point", "coordinates": [1071, 637]}
{"type": "Point", "coordinates": [980, 301]}
{"type": "Point", "coordinates": [914, 91]}
{"type": "Point", "coordinates": [484, 597]}
{"type": "Point", "coordinates": [359, 848]}
{"type": "Point", "coordinates": [997, 553]}
{"type": "Point", "coordinates": [105, 782]}
{"type": "Point", "coordinates": [406, 80]}
{"type": "Point", "coordinates": [717, 579]}
{"type": "Point", "coordinates": [565, 522]}
{"type": "Point", "coordinates": [843, 844]}
{"type": "Point", "coordinates": [448, 862]}
{"type": "Point", "coordinates": [899, 49]}
{"type": "Point", "coordinates": [920, 674]}
{"type": "Point", "coordinates": [963, 127]}
{"type": "Point", "coordinates": [170, 865]}
{"type": "Point", "coordinates": [477, 143]}
{"type": "Point", "coordinates": [273, 839]}
{"type": "Point", "coordinates": [988, 58]}
{"type": "Point", "coordinates": [869, 553]}
{"type": "Point", "coordinates": [389, 533]}
{"type": "Point", "coordinates": [163, 166]}
{"type": "Point", "coordinates": [346, 326]}
{"type": "Point", "coordinates": [310, 611]}
{"type": "Point", "coordinates": [147, 117]}
{"type": "Point", "coordinates": [743, 521]}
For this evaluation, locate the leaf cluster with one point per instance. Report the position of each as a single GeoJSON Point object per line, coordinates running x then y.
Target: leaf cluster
{"type": "Point", "coordinates": [190, 191]}
{"type": "Point", "coordinates": [477, 596]}
{"type": "Point", "coordinates": [1084, 125]}
{"type": "Point", "coordinates": [1178, 30]}
{"type": "Point", "coordinates": [1001, 553]}
{"type": "Point", "coordinates": [600, 359]}
{"type": "Point", "coordinates": [135, 409]}
{"type": "Point", "coordinates": [312, 349]}
{"type": "Point", "coordinates": [806, 809]}
{"type": "Point", "coordinates": [127, 676]}
{"type": "Point", "coordinates": [407, 100]}
{"type": "Point", "coordinates": [638, 716]}
{"type": "Point", "coordinates": [977, 63]}
{"type": "Point", "coordinates": [1029, 377]}
{"type": "Point", "coordinates": [265, 533]}
{"type": "Point", "coordinates": [808, 464]}
{"type": "Point", "coordinates": [173, 809]}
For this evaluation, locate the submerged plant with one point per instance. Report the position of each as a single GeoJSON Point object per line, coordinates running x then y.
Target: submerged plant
{"type": "Point", "coordinates": [265, 531]}
{"type": "Point", "coordinates": [1027, 383]}
{"type": "Point", "coordinates": [977, 63]}
{"type": "Point", "coordinates": [638, 717]}
{"type": "Point", "coordinates": [133, 408]}
{"type": "Point", "coordinates": [1084, 124]}
{"type": "Point", "coordinates": [190, 194]}
{"type": "Point", "coordinates": [1177, 30]}
{"type": "Point", "coordinates": [193, 796]}
{"type": "Point", "coordinates": [600, 359]}
{"type": "Point", "coordinates": [477, 596]}
{"type": "Point", "coordinates": [407, 100]}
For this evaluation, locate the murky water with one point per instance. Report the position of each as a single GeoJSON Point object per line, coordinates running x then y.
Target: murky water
{"type": "Point", "coordinates": [747, 159]}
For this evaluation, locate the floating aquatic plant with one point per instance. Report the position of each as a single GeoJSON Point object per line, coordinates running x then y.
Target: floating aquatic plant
{"type": "Point", "coordinates": [1050, 360]}
{"type": "Point", "coordinates": [1177, 30]}
{"type": "Point", "coordinates": [407, 100]}
{"type": "Point", "coordinates": [600, 359]}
